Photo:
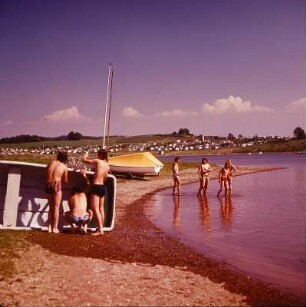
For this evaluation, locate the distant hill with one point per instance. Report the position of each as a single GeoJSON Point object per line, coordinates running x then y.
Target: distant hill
{"type": "Point", "coordinates": [26, 138]}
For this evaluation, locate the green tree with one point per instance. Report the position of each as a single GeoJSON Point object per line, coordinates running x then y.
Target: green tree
{"type": "Point", "coordinates": [231, 137]}
{"type": "Point", "coordinates": [74, 135]}
{"type": "Point", "coordinates": [184, 131]}
{"type": "Point", "coordinates": [299, 133]}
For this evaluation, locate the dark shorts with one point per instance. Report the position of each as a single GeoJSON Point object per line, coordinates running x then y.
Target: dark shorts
{"type": "Point", "coordinates": [98, 189]}
{"type": "Point", "coordinates": [53, 187]}
{"type": "Point", "coordinates": [79, 219]}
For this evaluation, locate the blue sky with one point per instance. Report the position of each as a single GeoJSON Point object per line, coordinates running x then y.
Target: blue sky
{"type": "Point", "coordinates": [215, 67]}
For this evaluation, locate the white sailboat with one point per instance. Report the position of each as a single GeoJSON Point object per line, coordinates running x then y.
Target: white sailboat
{"type": "Point", "coordinates": [138, 164]}
{"type": "Point", "coordinates": [130, 164]}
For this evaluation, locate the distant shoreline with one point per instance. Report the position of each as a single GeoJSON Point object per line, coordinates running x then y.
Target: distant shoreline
{"type": "Point", "coordinates": [173, 154]}
{"type": "Point", "coordinates": [166, 144]}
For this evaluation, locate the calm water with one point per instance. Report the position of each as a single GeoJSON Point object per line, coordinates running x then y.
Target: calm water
{"type": "Point", "coordinates": [258, 230]}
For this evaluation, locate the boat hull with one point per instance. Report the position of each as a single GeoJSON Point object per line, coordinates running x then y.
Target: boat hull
{"type": "Point", "coordinates": [135, 164]}
{"type": "Point", "coordinates": [24, 204]}
{"type": "Point", "coordinates": [134, 170]}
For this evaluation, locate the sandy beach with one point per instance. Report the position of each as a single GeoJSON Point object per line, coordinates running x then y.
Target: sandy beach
{"type": "Point", "coordinates": [136, 264]}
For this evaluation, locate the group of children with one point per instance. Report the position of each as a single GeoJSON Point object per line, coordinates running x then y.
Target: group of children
{"type": "Point", "coordinates": [57, 173]}
{"type": "Point", "coordinates": [224, 178]}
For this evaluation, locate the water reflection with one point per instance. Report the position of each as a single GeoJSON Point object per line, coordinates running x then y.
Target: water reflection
{"type": "Point", "coordinates": [226, 212]}
{"type": "Point", "coordinates": [299, 178]}
{"type": "Point", "coordinates": [204, 213]}
{"type": "Point", "coordinates": [176, 211]}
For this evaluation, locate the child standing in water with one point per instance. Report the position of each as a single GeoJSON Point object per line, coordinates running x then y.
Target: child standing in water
{"type": "Point", "coordinates": [223, 178]}
{"type": "Point", "coordinates": [231, 169]}
{"type": "Point", "coordinates": [176, 176]}
{"type": "Point", "coordinates": [203, 171]}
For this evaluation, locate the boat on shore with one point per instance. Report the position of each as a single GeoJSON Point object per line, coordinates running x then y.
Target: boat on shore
{"type": "Point", "coordinates": [135, 164]}
{"type": "Point", "coordinates": [138, 164]}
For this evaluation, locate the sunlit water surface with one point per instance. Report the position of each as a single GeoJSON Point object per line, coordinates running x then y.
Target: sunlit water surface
{"type": "Point", "coordinates": [258, 230]}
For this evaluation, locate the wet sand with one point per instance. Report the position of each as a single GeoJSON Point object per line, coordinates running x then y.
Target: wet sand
{"type": "Point", "coordinates": [136, 264]}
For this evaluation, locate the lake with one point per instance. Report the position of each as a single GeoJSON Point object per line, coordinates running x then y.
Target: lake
{"type": "Point", "coordinates": [259, 229]}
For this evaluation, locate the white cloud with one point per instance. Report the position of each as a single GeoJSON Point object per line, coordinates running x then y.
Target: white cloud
{"type": "Point", "coordinates": [7, 123]}
{"type": "Point", "coordinates": [233, 105]}
{"type": "Point", "coordinates": [177, 113]}
{"type": "Point", "coordinates": [69, 114]}
{"type": "Point", "coordinates": [131, 113]}
{"type": "Point", "coordinates": [296, 106]}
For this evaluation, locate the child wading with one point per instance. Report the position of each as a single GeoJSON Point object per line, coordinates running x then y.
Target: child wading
{"type": "Point", "coordinates": [223, 178]}
{"type": "Point", "coordinates": [203, 171]}
{"type": "Point", "coordinates": [231, 169]}
{"type": "Point", "coordinates": [176, 176]}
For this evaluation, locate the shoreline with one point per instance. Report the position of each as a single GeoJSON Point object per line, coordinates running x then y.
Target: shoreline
{"type": "Point", "coordinates": [237, 153]}
{"type": "Point", "coordinates": [148, 266]}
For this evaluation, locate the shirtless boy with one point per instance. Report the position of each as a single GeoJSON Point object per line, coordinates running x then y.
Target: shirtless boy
{"type": "Point", "coordinates": [203, 171]}
{"type": "Point", "coordinates": [223, 178]}
{"type": "Point", "coordinates": [78, 214]}
{"type": "Point", "coordinates": [98, 189]}
{"type": "Point", "coordinates": [176, 176]}
{"type": "Point", "coordinates": [57, 172]}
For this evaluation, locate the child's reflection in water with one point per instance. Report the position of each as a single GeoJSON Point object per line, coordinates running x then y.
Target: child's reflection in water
{"type": "Point", "coordinates": [204, 213]}
{"type": "Point", "coordinates": [176, 212]}
{"type": "Point", "coordinates": [226, 211]}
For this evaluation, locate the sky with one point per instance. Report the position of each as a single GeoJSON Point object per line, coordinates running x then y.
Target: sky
{"type": "Point", "coordinates": [214, 67]}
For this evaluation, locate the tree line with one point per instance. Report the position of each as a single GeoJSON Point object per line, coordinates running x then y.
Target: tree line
{"type": "Point", "coordinates": [298, 133]}
{"type": "Point", "coordinates": [27, 138]}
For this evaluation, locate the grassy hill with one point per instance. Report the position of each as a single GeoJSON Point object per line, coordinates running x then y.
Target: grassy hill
{"type": "Point", "coordinates": [274, 145]}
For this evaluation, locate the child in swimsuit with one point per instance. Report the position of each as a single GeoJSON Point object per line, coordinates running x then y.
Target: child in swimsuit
{"type": "Point", "coordinates": [78, 216]}
{"type": "Point", "coordinates": [98, 190]}
{"type": "Point", "coordinates": [57, 172]}
{"type": "Point", "coordinates": [176, 176]}
{"type": "Point", "coordinates": [231, 169]}
{"type": "Point", "coordinates": [223, 178]}
{"type": "Point", "coordinates": [203, 171]}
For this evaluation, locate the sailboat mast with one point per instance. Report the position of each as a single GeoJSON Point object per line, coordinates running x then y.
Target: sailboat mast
{"type": "Point", "coordinates": [108, 95]}
{"type": "Point", "coordinates": [110, 105]}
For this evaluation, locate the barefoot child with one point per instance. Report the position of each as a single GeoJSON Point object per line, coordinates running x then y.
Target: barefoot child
{"type": "Point", "coordinates": [223, 178]}
{"type": "Point", "coordinates": [78, 215]}
{"type": "Point", "coordinates": [203, 171]}
{"type": "Point", "coordinates": [98, 189]}
{"type": "Point", "coordinates": [176, 176]}
{"type": "Point", "coordinates": [57, 172]}
{"type": "Point", "coordinates": [231, 169]}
